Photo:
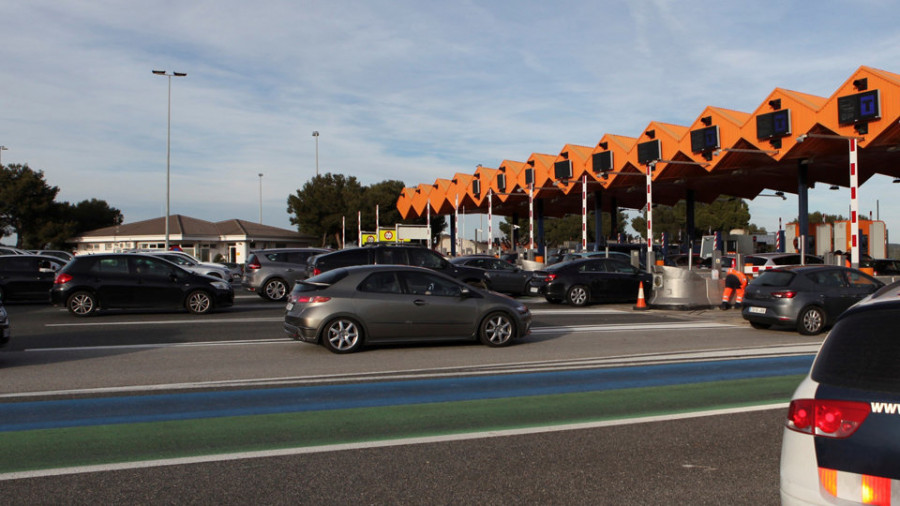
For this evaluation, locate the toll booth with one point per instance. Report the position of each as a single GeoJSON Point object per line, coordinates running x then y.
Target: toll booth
{"type": "Point", "coordinates": [824, 239]}
{"type": "Point", "coordinates": [872, 237]}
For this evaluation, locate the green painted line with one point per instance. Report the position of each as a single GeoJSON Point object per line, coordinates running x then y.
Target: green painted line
{"type": "Point", "coordinates": [105, 444]}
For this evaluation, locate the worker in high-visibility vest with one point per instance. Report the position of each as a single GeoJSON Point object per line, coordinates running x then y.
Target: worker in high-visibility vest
{"type": "Point", "coordinates": [735, 282]}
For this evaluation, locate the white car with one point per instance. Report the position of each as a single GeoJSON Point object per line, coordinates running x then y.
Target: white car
{"type": "Point", "coordinates": [192, 264]}
{"type": "Point", "coordinates": [841, 441]}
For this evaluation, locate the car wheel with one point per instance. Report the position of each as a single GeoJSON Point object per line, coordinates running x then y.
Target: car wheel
{"type": "Point", "coordinates": [577, 295]}
{"type": "Point", "coordinates": [82, 304]}
{"type": "Point", "coordinates": [761, 326]}
{"type": "Point", "coordinates": [811, 321]}
{"type": "Point", "coordinates": [342, 335]}
{"type": "Point", "coordinates": [497, 330]}
{"type": "Point", "coordinates": [199, 302]}
{"type": "Point", "coordinates": [275, 289]}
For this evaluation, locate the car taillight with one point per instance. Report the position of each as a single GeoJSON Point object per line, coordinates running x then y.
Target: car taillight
{"type": "Point", "coordinates": [826, 418]}
{"type": "Point", "coordinates": [62, 278]}
{"type": "Point", "coordinates": [254, 265]}
{"type": "Point", "coordinates": [316, 271]}
{"type": "Point", "coordinates": [549, 277]}
{"type": "Point", "coordinates": [787, 294]}
{"type": "Point", "coordinates": [308, 299]}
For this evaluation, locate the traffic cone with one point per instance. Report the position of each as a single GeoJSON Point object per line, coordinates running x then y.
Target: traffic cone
{"type": "Point", "coordinates": [641, 304]}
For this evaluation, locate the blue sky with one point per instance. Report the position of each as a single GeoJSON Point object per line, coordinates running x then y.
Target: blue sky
{"type": "Point", "coordinates": [408, 90]}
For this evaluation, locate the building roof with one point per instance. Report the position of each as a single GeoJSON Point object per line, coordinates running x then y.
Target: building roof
{"type": "Point", "coordinates": [188, 227]}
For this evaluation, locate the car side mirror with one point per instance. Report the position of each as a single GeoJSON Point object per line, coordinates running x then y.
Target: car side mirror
{"type": "Point", "coordinates": [465, 293]}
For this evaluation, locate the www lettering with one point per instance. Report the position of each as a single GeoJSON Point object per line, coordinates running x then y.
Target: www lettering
{"type": "Point", "coordinates": [888, 408]}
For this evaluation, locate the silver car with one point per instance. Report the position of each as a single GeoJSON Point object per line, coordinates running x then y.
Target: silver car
{"type": "Point", "coordinates": [271, 273]}
{"type": "Point", "coordinates": [348, 307]}
{"type": "Point", "coordinates": [192, 264]}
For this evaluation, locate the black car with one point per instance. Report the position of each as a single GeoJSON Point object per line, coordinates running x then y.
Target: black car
{"type": "Point", "coordinates": [596, 279]}
{"type": "Point", "coordinates": [136, 281]}
{"type": "Point", "coordinates": [4, 326]}
{"type": "Point", "coordinates": [396, 254]}
{"type": "Point", "coordinates": [882, 266]}
{"type": "Point", "coordinates": [501, 276]}
{"type": "Point", "coordinates": [27, 277]}
{"type": "Point", "coordinates": [809, 298]}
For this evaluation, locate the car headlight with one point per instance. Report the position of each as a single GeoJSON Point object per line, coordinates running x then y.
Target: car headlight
{"type": "Point", "coordinates": [220, 285]}
{"type": "Point", "coordinates": [522, 309]}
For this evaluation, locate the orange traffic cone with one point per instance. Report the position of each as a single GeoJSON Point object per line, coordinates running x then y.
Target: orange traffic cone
{"type": "Point", "coordinates": [641, 304]}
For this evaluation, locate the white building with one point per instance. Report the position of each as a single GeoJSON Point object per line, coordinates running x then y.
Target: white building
{"type": "Point", "coordinates": [228, 241]}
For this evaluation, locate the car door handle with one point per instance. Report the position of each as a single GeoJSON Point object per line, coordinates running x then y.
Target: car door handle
{"type": "Point", "coordinates": [419, 302]}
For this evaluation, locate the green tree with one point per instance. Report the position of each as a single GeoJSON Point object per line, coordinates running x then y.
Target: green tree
{"type": "Point", "coordinates": [26, 204]}
{"type": "Point", "coordinates": [558, 231]}
{"type": "Point", "coordinates": [723, 214]}
{"type": "Point", "coordinates": [320, 207]}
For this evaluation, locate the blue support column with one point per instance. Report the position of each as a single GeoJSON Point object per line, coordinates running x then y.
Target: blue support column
{"type": "Point", "coordinates": [614, 220]}
{"type": "Point", "coordinates": [803, 202]}
{"type": "Point", "coordinates": [599, 239]}
{"type": "Point", "coordinates": [689, 220]}
{"type": "Point", "coordinates": [452, 236]}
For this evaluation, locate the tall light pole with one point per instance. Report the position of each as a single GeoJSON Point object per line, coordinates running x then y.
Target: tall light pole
{"type": "Point", "coordinates": [316, 135]}
{"type": "Point", "coordinates": [168, 75]}
{"type": "Point", "coordinates": [2, 149]}
{"type": "Point", "coordinates": [260, 197]}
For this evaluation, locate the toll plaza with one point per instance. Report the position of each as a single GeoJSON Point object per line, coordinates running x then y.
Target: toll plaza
{"type": "Point", "coordinates": [789, 143]}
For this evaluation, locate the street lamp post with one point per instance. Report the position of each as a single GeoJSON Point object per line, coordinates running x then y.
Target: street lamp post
{"type": "Point", "coordinates": [316, 135]}
{"type": "Point", "coordinates": [2, 149]}
{"type": "Point", "coordinates": [260, 197]}
{"type": "Point", "coordinates": [168, 75]}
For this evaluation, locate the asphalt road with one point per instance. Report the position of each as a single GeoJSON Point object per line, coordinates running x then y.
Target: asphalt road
{"type": "Point", "coordinates": [707, 460]}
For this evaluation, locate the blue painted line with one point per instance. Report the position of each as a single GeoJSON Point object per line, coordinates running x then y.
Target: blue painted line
{"type": "Point", "coordinates": [167, 407]}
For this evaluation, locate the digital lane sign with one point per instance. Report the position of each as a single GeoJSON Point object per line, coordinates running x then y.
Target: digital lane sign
{"type": "Point", "coordinates": [773, 125]}
{"type": "Point", "coordinates": [860, 107]}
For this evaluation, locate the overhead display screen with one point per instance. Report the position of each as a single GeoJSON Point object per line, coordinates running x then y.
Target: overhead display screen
{"type": "Point", "coordinates": [648, 151]}
{"type": "Point", "coordinates": [865, 106]}
{"type": "Point", "coordinates": [602, 161]}
{"type": "Point", "coordinates": [705, 139]}
{"type": "Point", "coordinates": [501, 182]}
{"type": "Point", "coordinates": [773, 124]}
{"type": "Point", "coordinates": [529, 176]}
{"type": "Point", "coordinates": [562, 169]}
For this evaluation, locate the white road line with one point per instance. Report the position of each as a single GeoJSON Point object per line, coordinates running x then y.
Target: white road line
{"type": "Point", "coordinates": [167, 322]}
{"type": "Point", "coordinates": [165, 345]}
{"type": "Point", "coordinates": [379, 444]}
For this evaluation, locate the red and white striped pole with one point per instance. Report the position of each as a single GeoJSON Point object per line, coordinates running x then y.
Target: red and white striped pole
{"type": "Point", "coordinates": [649, 216]}
{"type": "Point", "coordinates": [854, 206]}
{"type": "Point", "coordinates": [490, 223]}
{"type": "Point", "coordinates": [456, 226]}
{"type": "Point", "coordinates": [359, 228]}
{"type": "Point", "coordinates": [584, 212]}
{"type": "Point", "coordinates": [531, 217]}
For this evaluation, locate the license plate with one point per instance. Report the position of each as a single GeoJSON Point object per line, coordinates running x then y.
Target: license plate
{"type": "Point", "coordinates": [533, 289]}
{"type": "Point", "coordinates": [289, 306]}
{"type": "Point", "coordinates": [757, 310]}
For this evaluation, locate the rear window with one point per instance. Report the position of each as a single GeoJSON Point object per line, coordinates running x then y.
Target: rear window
{"type": "Point", "coordinates": [318, 282]}
{"type": "Point", "coordinates": [861, 351]}
{"type": "Point", "coordinates": [773, 278]}
{"type": "Point", "coordinates": [344, 258]}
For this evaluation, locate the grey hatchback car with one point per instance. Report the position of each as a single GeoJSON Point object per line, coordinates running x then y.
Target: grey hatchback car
{"type": "Point", "coordinates": [348, 307]}
{"type": "Point", "coordinates": [271, 273]}
{"type": "Point", "coordinates": [809, 298]}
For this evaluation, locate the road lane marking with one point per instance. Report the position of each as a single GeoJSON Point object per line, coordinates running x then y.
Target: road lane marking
{"type": "Point", "coordinates": [381, 444]}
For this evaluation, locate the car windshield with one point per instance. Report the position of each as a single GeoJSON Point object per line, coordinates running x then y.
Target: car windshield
{"type": "Point", "coordinates": [773, 278]}
{"type": "Point", "coordinates": [861, 351]}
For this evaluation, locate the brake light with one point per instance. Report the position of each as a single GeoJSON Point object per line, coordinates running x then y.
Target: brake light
{"type": "Point", "coordinates": [549, 277]}
{"type": "Point", "coordinates": [826, 418]}
{"type": "Point", "coordinates": [316, 271]}
{"type": "Point", "coordinates": [62, 278]}
{"type": "Point", "coordinates": [787, 294]}
{"type": "Point", "coordinates": [253, 265]}
{"type": "Point", "coordinates": [309, 299]}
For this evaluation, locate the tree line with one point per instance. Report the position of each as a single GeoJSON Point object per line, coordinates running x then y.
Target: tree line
{"type": "Point", "coordinates": [29, 209]}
